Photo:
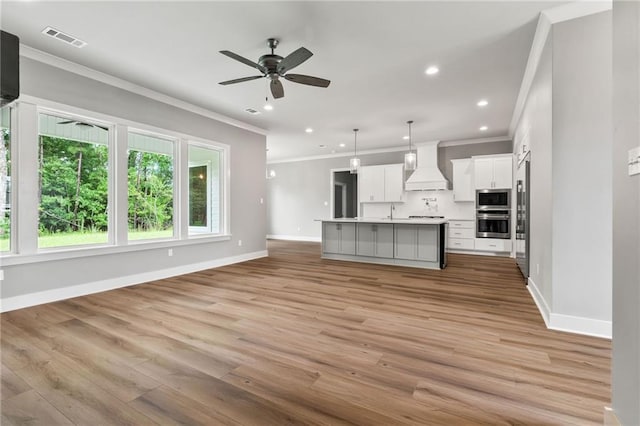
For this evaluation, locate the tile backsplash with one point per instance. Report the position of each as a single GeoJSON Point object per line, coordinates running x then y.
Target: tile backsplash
{"type": "Point", "coordinates": [423, 203]}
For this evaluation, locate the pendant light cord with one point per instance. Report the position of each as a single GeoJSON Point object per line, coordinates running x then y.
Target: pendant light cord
{"type": "Point", "coordinates": [355, 142]}
{"type": "Point", "coordinates": [409, 123]}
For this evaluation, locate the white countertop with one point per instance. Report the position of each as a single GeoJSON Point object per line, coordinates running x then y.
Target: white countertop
{"type": "Point", "coordinates": [387, 220]}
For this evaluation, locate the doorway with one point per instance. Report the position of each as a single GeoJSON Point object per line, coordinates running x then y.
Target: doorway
{"type": "Point", "coordinates": [344, 186]}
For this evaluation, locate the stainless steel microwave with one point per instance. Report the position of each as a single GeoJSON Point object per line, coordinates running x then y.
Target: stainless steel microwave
{"type": "Point", "coordinates": [493, 199]}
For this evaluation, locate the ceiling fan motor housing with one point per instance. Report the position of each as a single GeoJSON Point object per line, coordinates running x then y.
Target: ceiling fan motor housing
{"type": "Point", "coordinates": [270, 63]}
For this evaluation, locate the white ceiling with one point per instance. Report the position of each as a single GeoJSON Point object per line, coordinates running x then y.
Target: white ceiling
{"type": "Point", "coordinates": [374, 53]}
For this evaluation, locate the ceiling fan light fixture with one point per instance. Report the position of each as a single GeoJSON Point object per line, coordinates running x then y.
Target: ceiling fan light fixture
{"type": "Point", "coordinates": [274, 68]}
{"type": "Point", "coordinates": [410, 158]}
{"type": "Point", "coordinates": [354, 163]}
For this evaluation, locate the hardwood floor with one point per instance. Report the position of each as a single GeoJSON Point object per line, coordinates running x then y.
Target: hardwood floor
{"type": "Point", "coordinates": [294, 339]}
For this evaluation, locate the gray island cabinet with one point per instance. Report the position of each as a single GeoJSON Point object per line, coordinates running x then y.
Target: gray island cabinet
{"type": "Point", "coordinates": [417, 243]}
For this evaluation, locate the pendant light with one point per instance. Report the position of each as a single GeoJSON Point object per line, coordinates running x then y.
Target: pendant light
{"type": "Point", "coordinates": [410, 158]}
{"type": "Point", "coordinates": [354, 163]}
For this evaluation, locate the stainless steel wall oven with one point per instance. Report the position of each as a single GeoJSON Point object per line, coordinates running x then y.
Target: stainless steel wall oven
{"type": "Point", "coordinates": [493, 224]}
{"type": "Point", "coordinates": [493, 213]}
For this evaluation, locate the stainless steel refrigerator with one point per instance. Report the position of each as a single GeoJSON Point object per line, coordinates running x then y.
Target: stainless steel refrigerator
{"type": "Point", "coordinates": [522, 217]}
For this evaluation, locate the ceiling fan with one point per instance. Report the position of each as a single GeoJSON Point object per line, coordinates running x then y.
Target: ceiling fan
{"type": "Point", "coordinates": [81, 124]}
{"type": "Point", "coordinates": [273, 67]}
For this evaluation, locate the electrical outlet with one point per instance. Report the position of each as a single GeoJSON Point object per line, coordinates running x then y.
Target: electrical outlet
{"type": "Point", "coordinates": [170, 252]}
{"type": "Point", "coordinates": [239, 243]}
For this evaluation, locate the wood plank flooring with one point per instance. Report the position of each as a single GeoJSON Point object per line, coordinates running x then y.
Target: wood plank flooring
{"type": "Point", "coordinates": [294, 339]}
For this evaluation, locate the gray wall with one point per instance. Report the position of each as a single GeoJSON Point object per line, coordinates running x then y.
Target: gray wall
{"type": "Point", "coordinates": [567, 116]}
{"type": "Point", "coordinates": [581, 157]}
{"type": "Point", "coordinates": [298, 193]}
{"type": "Point", "coordinates": [248, 216]}
{"type": "Point", "coordinates": [626, 214]}
{"type": "Point", "coordinates": [537, 121]}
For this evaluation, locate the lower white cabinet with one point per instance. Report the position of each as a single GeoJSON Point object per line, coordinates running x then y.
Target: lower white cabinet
{"type": "Point", "coordinates": [339, 238]}
{"type": "Point", "coordinates": [492, 244]}
{"type": "Point", "coordinates": [374, 239]}
{"type": "Point", "coordinates": [462, 235]}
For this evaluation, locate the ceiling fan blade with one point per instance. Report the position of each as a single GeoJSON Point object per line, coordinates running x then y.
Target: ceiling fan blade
{"type": "Point", "coordinates": [66, 122]}
{"type": "Point", "coordinates": [293, 60]}
{"type": "Point", "coordinates": [308, 80]}
{"type": "Point", "coordinates": [240, 80]}
{"type": "Point", "coordinates": [243, 60]}
{"type": "Point", "coordinates": [276, 89]}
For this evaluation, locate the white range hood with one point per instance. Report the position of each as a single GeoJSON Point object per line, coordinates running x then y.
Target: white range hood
{"type": "Point", "coordinates": [427, 176]}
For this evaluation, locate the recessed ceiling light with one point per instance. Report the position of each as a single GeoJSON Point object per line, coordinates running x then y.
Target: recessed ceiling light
{"type": "Point", "coordinates": [432, 70]}
{"type": "Point", "coordinates": [268, 107]}
{"type": "Point", "coordinates": [406, 138]}
{"type": "Point", "coordinates": [483, 103]}
{"type": "Point", "coordinates": [484, 128]}
{"type": "Point", "coordinates": [308, 130]}
{"type": "Point", "coordinates": [342, 145]}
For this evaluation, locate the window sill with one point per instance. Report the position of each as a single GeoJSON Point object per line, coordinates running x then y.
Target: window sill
{"type": "Point", "coordinates": [86, 251]}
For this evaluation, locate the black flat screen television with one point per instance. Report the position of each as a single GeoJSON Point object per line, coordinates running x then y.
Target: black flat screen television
{"type": "Point", "coordinates": [9, 68]}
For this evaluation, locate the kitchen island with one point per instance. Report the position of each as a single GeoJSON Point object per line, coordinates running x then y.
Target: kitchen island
{"type": "Point", "coordinates": [418, 243]}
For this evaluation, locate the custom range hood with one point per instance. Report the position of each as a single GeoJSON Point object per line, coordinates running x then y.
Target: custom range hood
{"type": "Point", "coordinates": [427, 176]}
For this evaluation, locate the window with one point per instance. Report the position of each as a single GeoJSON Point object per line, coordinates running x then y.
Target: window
{"type": "Point", "coordinates": [5, 180]}
{"type": "Point", "coordinates": [205, 206]}
{"type": "Point", "coordinates": [150, 166]}
{"type": "Point", "coordinates": [73, 182]}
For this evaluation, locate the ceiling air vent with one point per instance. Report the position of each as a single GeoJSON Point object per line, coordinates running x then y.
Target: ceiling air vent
{"type": "Point", "coordinates": [59, 35]}
{"type": "Point", "coordinates": [252, 111]}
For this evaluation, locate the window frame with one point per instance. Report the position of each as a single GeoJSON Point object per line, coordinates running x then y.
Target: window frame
{"type": "Point", "coordinates": [175, 141]}
{"type": "Point", "coordinates": [111, 158]}
{"type": "Point", "coordinates": [24, 242]}
{"type": "Point", "coordinates": [224, 209]}
{"type": "Point", "coordinates": [13, 200]}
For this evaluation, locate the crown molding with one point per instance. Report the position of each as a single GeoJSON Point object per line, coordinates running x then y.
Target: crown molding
{"type": "Point", "coordinates": [73, 67]}
{"type": "Point", "coordinates": [504, 138]}
{"type": "Point", "coordinates": [391, 149]}
{"type": "Point", "coordinates": [548, 18]}
{"type": "Point", "coordinates": [337, 155]}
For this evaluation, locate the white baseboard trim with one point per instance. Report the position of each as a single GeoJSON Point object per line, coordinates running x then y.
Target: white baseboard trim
{"type": "Point", "coordinates": [47, 296]}
{"type": "Point", "coordinates": [539, 300]}
{"type": "Point", "coordinates": [568, 323]}
{"type": "Point", "coordinates": [610, 418]}
{"type": "Point", "coordinates": [581, 325]}
{"type": "Point", "coordinates": [294, 238]}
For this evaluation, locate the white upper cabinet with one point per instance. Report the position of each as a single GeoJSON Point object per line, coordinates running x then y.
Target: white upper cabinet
{"type": "Point", "coordinates": [381, 184]}
{"type": "Point", "coordinates": [393, 183]}
{"type": "Point", "coordinates": [463, 186]}
{"type": "Point", "coordinates": [493, 172]}
{"type": "Point", "coordinates": [371, 184]}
